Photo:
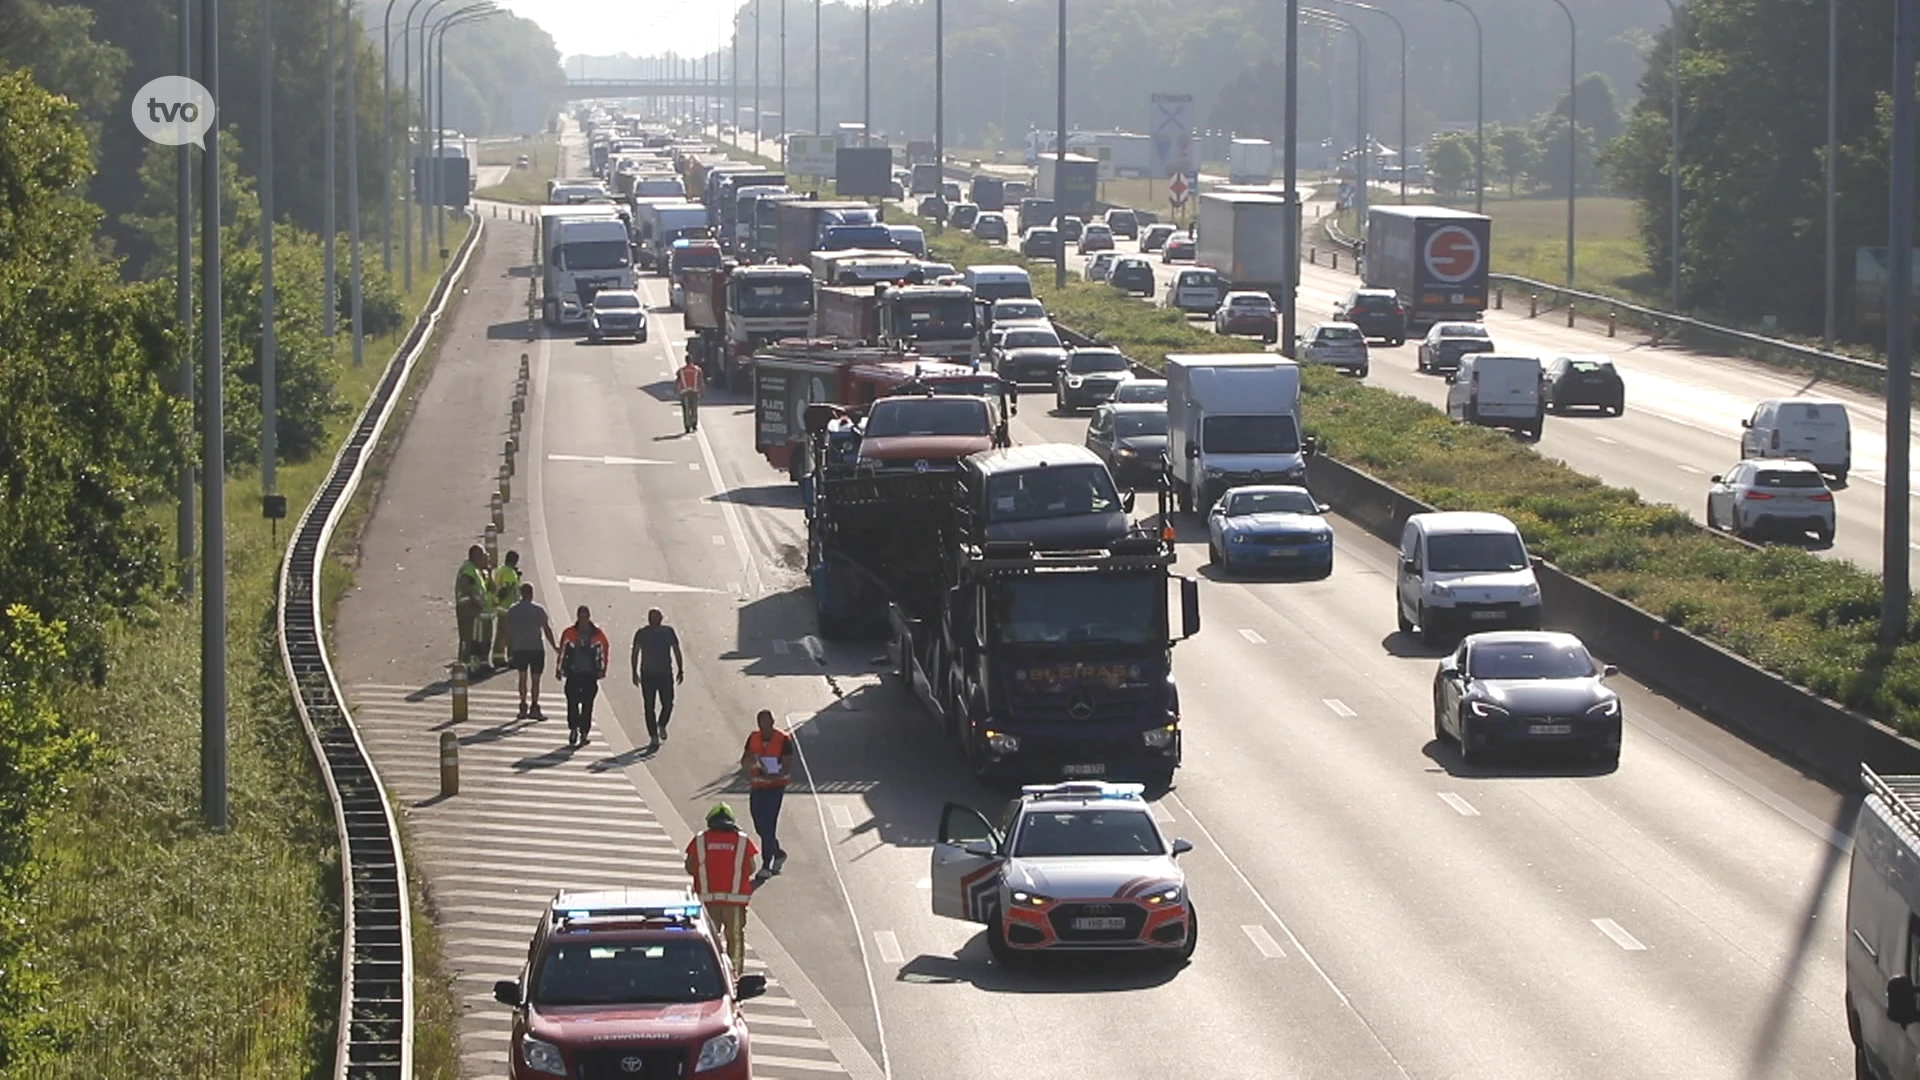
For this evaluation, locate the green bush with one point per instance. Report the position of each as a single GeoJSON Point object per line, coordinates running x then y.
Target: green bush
{"type": "Point", "coordinates": [1814, 621]}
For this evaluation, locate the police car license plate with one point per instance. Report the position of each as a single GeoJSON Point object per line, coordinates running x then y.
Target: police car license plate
{"type": "Point", "coordinates": [1550, 729]}
{"type": "Point", "coordinates": [1085, 770]}
{"type": "Point", "coordinates": [1105, 923]}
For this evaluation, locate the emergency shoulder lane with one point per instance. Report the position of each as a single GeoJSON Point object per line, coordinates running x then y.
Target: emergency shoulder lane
{"type": "Point", "coordinates": [1339, 772]}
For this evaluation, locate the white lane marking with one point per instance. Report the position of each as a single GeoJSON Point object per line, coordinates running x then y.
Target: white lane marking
{"type": "Point", "coordinates": [693, 466]}
{"type": "Point", "coordinates": [1253, 636]}
{"type": "Point", "coordinates": [1686, 468]}
{"type": "Point", "coordinates": [607, 459]}
{"type": "Point", "coordinates": [842, 816]}
{"type": "Point", "coordinates": [1604, 439]}
{"type": "Point", "coordinates": [1459, 803]}
{"type": "Point", "coordinates": [1339, 707]}
{"type": "Point", "coordinates": [889, 947]}
{"type": "Point", "coordinates": [1160, 813]}
{"type": "Point", "coordinates": [924, 883]}
{"type": "Point", "coordinates": [1263, 941]}
{"type": "Point", "coordinates": [719, 541]}
{"type": "Point", "coordinates": [638, 585]}
{"type": "Point", "coordinates": [1619, 935]}
{"type": "Point", "coordinates": [1915, 547]}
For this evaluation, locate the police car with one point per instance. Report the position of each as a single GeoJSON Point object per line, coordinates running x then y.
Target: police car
{"type": "Point", "coordinates": [1071, 866]}
{"type": "Point", "coordinates": [628, 983]}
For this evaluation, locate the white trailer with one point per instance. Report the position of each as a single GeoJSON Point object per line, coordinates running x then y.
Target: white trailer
{"type": "Point", "coordinates": [1250, 161]}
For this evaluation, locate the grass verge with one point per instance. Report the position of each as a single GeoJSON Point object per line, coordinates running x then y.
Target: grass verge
{"type": "Point", "coordinates": [177, 951]}
{"type": "Point", "coordinates": [543, 150]}
{"type": "Point", "coordinates": [1813, 621]}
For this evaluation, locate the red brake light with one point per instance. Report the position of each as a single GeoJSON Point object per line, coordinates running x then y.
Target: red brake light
{"type": "Point", "coordinates": [1759, 495]}
{"type": "Point", "coordinates": [1825, 496]}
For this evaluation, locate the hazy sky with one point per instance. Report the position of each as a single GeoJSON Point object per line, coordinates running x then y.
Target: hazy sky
{"type": "Point", "coordinates": [599, 28]}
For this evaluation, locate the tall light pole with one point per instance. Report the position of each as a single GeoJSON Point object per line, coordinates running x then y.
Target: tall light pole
{"type": "Point", "coordinates": [407, 164]}
{"type": "Point", "coordinates": [818, 124]}
{"type": "Point", "coordinates": [183, 304]}
{"type": "Point", "coordinates": [386, 140]}
{"type": "Point", "coordinates": [940, 97]}
{"type": "Point", "coordinates": [1673, 171]}
{"type": "Point", "coordinates": [783, 84]}
{"type": "Point", "coordinates": [1290, 174]}
{"type": "Point", "coordinates": [1833, 150]}
{"type": "Point", "coordinates": [1573, 128]}
{"type": "Point", "coordinates": [1060, 144]}
{"type": "Point", "coordinates": [429, 165]}
{"type": "Point", "coordinates": [758, 125]}
{"type": "Point", "coordinates": [1402, 31]}
{"type": "Point", "coordinates": [354, 279]}
{"type": "Point", "coordinates": [1363, 137]}
{"type": "Point", "coordinates": [1897, 600]}
{"type": "Point", "coordinates": [1479, 109]}
{"type": "Point", "coordinates": [866, 80]}
{"type": "Point", "coordinates": [733, 70]}
{"type": "Point", "coordinates": [213, 458]}
{"type": "Point", "coordinates": [269, 345]}
{"type": "Point", "coordinates": [470, 13]}
{"type": "Point", "coordinates": [331, 287]}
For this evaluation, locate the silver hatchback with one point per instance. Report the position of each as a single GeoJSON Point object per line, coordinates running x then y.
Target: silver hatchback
{"type": "Point", "coordinates": [1772, 497]}
{"type": "Point", "coordinates": [1339, 345]}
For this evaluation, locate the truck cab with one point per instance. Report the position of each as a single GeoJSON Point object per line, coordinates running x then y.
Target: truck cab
{"type": "Point", "coordinates": [936, 321]}
{"type": "Point", "coordinates": [1883, 930]}
{"type": "Point", "coordinates": [1232, 419]}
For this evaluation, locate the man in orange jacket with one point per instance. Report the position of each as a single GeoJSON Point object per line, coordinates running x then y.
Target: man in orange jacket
{"type": "Point", "coordinates": [721, 862]}
{"type": "Point", "coordinates": [690, 381]}
{"type": "Point", "coordinates": [582, 664]}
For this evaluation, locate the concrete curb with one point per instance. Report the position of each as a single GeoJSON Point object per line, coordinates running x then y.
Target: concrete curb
{"type": "Point", "coordinates": [1830, 740]}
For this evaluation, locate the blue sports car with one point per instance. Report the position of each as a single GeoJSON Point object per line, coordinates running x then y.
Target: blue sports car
{"type": "Point", "coordinates": [1270, 527]}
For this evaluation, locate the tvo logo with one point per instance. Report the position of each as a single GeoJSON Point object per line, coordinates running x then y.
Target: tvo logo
{"type": "Point", "coordinates": [174, 110]}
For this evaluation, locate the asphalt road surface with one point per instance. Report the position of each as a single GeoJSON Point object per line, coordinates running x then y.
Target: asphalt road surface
{"type": "Point", "coordinates": [1370, 907]}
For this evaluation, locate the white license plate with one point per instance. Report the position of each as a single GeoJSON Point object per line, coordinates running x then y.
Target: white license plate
{"type": "Point", "coordinates": [1107, 923]}
{"type": "Point", "coordinates": [1085, 770]}
{"type": "Point", "coordinates": [1489, 616]}
{"type": "Point", "coordinates": [1550, 729]}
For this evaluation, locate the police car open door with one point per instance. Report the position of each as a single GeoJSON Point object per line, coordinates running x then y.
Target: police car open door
{"type": "Point", "coordinates": [966, 883]}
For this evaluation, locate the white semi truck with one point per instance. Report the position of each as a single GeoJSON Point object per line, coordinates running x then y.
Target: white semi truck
{"type": "Point", "coordinates": [583, 249]}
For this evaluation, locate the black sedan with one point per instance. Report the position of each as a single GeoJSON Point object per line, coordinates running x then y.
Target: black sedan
{"type": "Point", "coordinates": [1573, 381]}
{"type": "Point", "coordinates": [1132, 440]}
{"type": "Point", "coordinates": [1526, 688]}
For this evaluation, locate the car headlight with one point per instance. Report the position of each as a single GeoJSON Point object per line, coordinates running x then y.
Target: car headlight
{"type": "Point", "coordinates": [1606, 710]}
{"type": "Point", "coordinates": [542, 1056]}
{"type": "Point", "coordinates": [1159, 897]}
{"type": "Point", "coordinates": [1001, 743]}
{"type": "Point", "coordinates": [1323, 537]}
{"type": "Point", "coordinates": [1238, 538]}
{"type": "Point", "coordinates": [1075, 381]}
{"type": "Point", "coordinates": [1482, 708]}
{"type": "Point", "coordinates": [1159, 738]}
{"type": "Point", "coordinates": [1124, 452]}
{"type": "Point", "coordinates": [1440, 588]}
{"type": "Point", "coordinates": [1022, 898]}
{"type": "Point", "coordinates": [717, 1051]}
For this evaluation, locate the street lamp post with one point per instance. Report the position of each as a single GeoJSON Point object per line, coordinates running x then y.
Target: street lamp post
{"type": "Point", "coordinates": [183, 305]}
{"type": "Point", "coordinates": [354, 277]}
{"type": "Point", "coordinates": [1573, 127]}
{"type": "Point", "coordinates": [1479, 109]}
{"type": "Point", "coordinates": [1673, 173]}
{"type": "Point", "coordinates": [269, 345]}
{"type": "Point", "coordinates": [783, 84]}
{"type": "Point", "coordinates": [819, 125]}
{"type": "Point", "coordinates": [1402, 31]}
{"type": "Point", "coordinates": [1362, 136]}
{"type": "Point", "coordinates": [1060, 144]}
{"type": "Point", "coordinates": [1833, 131]}
{"type": "Point", "coordinates": [213, 458]}
{"type": "Point", "coordinates": [471, 13]}
{"type": "Point", "coordinates": [386, 140]}
{"type": "Point", "coordinates": [415, 161]}
{"type": "Point", "coordinates": [1290, 175]}
{"type": "Point", "coordinates": [1896, 602]}
{"type": "Point", "coordinates": [939, 96]}
{"type": "Point", "coordinates": [406, 164]}
{"type": "Point", "coordinates": [758, 125]}
{"type": "Point", "coordinates": [866, 80]}
{"type": "Point", "coordinates": [330, 285]}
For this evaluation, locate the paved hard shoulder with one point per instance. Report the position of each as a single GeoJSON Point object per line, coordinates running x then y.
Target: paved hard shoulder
{"type": "Point", "coordinates": [532, 817]}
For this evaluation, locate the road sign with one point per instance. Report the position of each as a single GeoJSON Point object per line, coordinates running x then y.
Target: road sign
{"type": "Point", "coordinates": [1177, 189]}
{"type": "Point", "coordinates": [1172, 134]}
{"type": "Point", "coordinates": [1452, 254]}
{"type": "Point", "coordinates": [812, 155]}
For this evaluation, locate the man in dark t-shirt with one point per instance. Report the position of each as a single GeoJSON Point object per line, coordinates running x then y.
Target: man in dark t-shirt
{"type": "Point", "coordinates": [657, 666]}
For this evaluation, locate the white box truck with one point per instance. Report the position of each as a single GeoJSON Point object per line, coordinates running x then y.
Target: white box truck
{"type": "Point", "coordinates": [1250, 161]}
{"type": "Point", "coordinates": [1252, 239]}
{"type": "Point", "coordinates": [1232, 418]}
{"type": "Point", "coordinates": [583, 249]}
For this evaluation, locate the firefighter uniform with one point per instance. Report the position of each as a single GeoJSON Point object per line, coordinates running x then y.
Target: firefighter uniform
{"type": "Point", "coordinates": [721, 861]}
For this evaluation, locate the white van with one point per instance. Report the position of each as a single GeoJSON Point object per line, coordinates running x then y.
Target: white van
{"type": "Point", "coordinates": [1462, 571]}
{"type": "Point", "coordinates": [1883, 930]}
{"type": "Point", "coordinates": [1497, 391]}
{"type": "Point", "coordinates": [991, 283]}
{"type": "Point", "coordinates": [1232, 418]}
{"type": "Point", "coordinates": [1804, 428]}
{"type": "Point", "coordinates": [1195, 289]}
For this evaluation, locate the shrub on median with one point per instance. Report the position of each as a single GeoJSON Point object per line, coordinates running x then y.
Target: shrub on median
{"type": "Point", "coordinates": [1811, 620]}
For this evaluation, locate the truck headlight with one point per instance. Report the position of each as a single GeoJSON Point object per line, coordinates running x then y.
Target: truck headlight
{"type": "Point", "coordinates": [542, 1056]}
{"type": "Point", "coordinates": [1002, 743]}
{"type": "Point", "coordinates": [1159, 738]}
{"type": "Point", "coordinates": [717, 1051]}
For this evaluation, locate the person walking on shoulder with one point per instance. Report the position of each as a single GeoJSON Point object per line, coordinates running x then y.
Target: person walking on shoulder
{"type": "Point", "coordinates": [582, 664]}
{"type": "Point", "coordinates": [506, 592]}
{"type": "Point", "coordinates": [721, 862]}
{"type": "Point", "coordinates": [526, 622]}
{"type": "Point", "coordinates": [768, 761]}
{"type": "Point", "coordinates": [470, 605]}
{"type": "Point", "coordinates": [657, 666]}
{"type": "Point", "coordinates": [690, 381]}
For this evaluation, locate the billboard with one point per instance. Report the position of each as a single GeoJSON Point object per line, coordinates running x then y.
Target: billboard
{"type": "Point", "coordinates": [865, 171]}
{"type": "Point", "coordinates": [811, 155]}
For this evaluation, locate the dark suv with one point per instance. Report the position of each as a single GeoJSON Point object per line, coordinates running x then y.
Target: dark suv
{"type": "Point", "coordinates": [1377, 312]}
{"type": "Point", "coordinates": [1131, 274]}
{"type": "Point", "coordinates": [1124, 224]}
{"type": "Point", "coordinates": [1088, 378]}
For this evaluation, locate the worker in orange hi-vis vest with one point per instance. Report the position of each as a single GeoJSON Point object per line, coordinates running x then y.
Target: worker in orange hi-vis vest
{"type": "Point", "coordinates": [690, 381]}
{"type": "Point", "coordinates": [721, 862]}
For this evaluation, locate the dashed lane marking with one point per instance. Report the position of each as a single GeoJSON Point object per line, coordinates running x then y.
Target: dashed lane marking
{"type": "Point", "coordinates": [534, 817]}
{"type": "Point", "coordinates": [636, 585]}
{"type": "Point", "coordinates": [842, 816]}
{"type": "Point", "coordinates": [1339, 707]}
{"type": "Point", "coordinates": [719, 541]}
{"type": "Point", "coordinates": [1686, 468]}
{"type": "Point", "coordinates": [1619, 935]}
{"type": "Point", "coordinates": [1253, 636]}
{"type": "Point", "coordinates": [889, 946]}
{"type": "Point", "coordinates": [607, 459]}
{"type": "Point", "coordinates": [1459, 803]}
{"type": "Point", "coordinates": [1604, 439]}
{"type": "Point", "coordinates": [1263, 941]}
{"type": "Point", "coordinates": [1160, 813]}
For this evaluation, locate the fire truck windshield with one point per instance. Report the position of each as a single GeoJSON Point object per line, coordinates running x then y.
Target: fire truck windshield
{"type": "Point", "coordinates": [782, 296]}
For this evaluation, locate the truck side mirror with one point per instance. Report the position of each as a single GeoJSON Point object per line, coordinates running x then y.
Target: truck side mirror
{"type": "Point", "coordinates": [1189, 608]}
{"type": "Point", "coordinates": [1903, 1004]}
{"type": "Point", "coordinates": [1452, 378]}
{"type": "Point", "coordinates": [1310, 446]}
{"type": "Point", "coordinates": [1126, 502]}
{"type": "Point", "coordinates": [1193, 450]}
{"type": "Point", "coordinates": [1748, 423]}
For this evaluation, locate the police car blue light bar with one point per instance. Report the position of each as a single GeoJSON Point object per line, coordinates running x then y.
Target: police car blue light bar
{"type": "Point", "coordinates": [1098, 789]}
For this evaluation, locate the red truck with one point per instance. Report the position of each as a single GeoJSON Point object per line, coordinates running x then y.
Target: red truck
{"type": "Point", "coordinates": [731, 311]}
{"type": "Point", "coordinates": [934, 321]}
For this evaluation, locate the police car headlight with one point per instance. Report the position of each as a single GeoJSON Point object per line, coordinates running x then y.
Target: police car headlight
{"type": "Point", "coordinates": [717, 1051]}
{"type": "Point", "coordinates": [1002, 744]}
{"type": "Point", "coordinates": [1075, 381]}
{"type": "Point", "coordinates": [1158, 738]}
{"type": "Point", "coordinates": [1168, 895]}
{"type": "Point", "coordinates": [542, 1057]}
{"type": "Point", "coordinates": [1030, 899]}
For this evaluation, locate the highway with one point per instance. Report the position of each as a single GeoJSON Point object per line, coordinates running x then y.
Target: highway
{"type": "Point", "coordinates": [1682, 422]}
{"type": "Point", "coordinates": [1370, 907]}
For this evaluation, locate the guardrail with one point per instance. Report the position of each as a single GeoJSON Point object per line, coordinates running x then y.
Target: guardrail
{"type": "Point", "coordinates": [375, 1038]}
{"type": "Point", "coordinates": [1666, 326]}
